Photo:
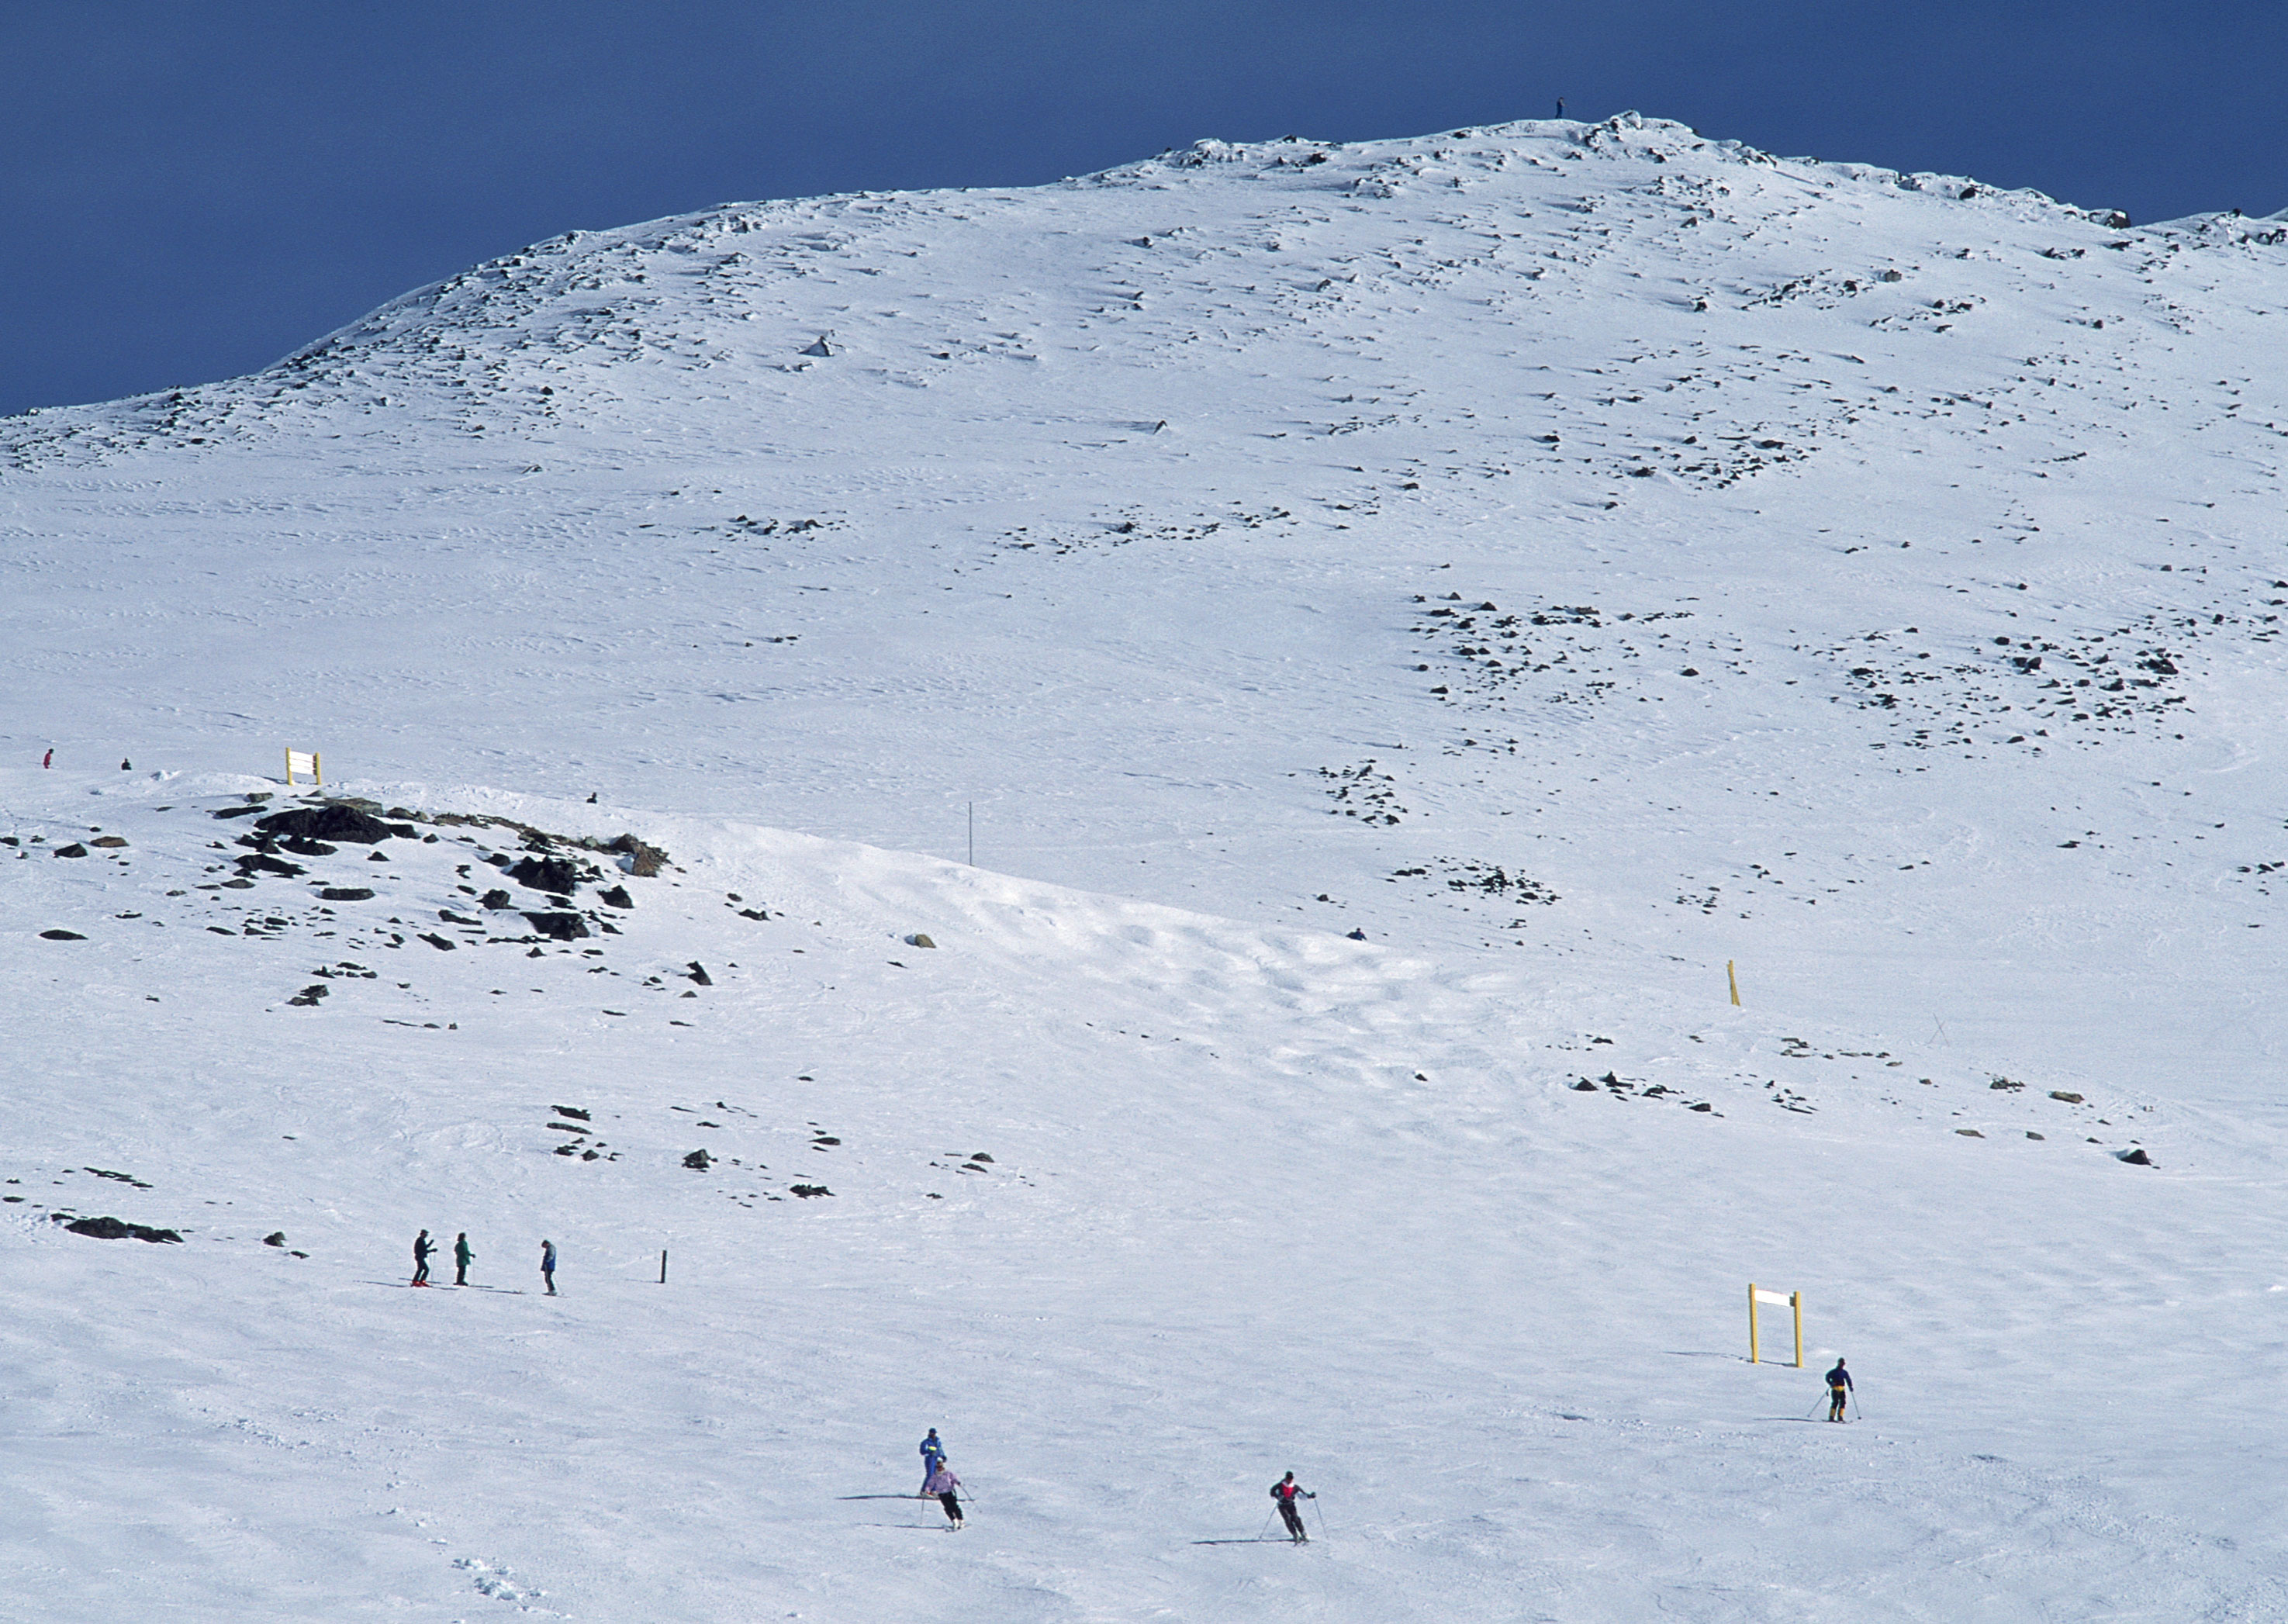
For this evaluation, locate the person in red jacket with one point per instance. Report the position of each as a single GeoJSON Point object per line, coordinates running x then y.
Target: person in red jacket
{"type": "Point", "coordinates": [1285, 1491]}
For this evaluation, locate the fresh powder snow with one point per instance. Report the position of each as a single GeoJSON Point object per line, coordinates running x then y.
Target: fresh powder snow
{"type": "Point", "coordinates": [1403, 628]}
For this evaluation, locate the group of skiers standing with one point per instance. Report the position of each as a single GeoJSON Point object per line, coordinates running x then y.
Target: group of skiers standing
{"type": "Point", "coordinates": [464, 1254]}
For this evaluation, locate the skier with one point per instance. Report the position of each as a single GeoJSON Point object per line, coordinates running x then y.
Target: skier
{"type": "Point", "coordinates": [1284, 1491]}
{"type": "Point", "coordinates": [1839, 1390]}
{"type": "Point", "coordinates": [1560, 106]}
{"type": "Point", "coordinates": [548, 1265]}
{"type": "Point", "coordinates": [126, 765]}
{"type": "Point", "coordinates": [932, 1457]}
{"type": "Point", "coordinates": [462, 1257]}
{"type": "Point", "coordinates": [48, 760]}
{"type": "Point", "coordinates": [422, 1248]}
{"type": "Point", "coordinates": [942, 1484]}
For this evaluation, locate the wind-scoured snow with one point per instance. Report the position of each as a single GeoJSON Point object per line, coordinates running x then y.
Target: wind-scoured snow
{"type": "Point", "coordinates": [1575, 557]}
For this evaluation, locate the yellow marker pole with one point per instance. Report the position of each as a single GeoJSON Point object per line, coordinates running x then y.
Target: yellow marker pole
{"type": "Point", "coordinates": [318, 776]}
{"type": "Point", "coordinates": [1733, 976]}
{"type": "Point", "coordinates": [1752, 1322]}
{"type": "Point", "coordinates": [289, 766]}
{"type": "Point", "coordinates": [1795, 1302]}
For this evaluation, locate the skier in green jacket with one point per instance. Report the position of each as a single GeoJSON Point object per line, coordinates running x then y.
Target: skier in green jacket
{"type": "Point", "coordinates": [461, 1256]}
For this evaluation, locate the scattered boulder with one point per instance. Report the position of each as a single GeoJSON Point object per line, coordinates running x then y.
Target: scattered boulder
{"type": "Point", "coordinates": [347, 893]}
{"type": "Point", "coordinates": [556, 874]}
{"type": "Point", "coordinates": [443, 944]}
{"type": "Point", "coordinates": [113, 1229]}
{"type": "Point", "coordinates": [61, 935]}
{"type": "Point", "coordinates": [699, 974]}
{"type": "Point", "coordinates": [920, 940]}
{"type": "Point", "coordinates": [2071, 1100]}
{"type": "Point", "coordinates": [110, 842]}
{"type": "Point", "coordinates": [644, 861]}
{"type": "Point", "coordinates": [335, 821]}
{"type": "Point", "coordinates": [276, 1237]}
{"type": "Point", "coordinates": [1970, 1133]}
{"type": "Point", "coordinates": [558, 927]}
{"type": "Point", "coordinates": [257, 863]}
{"type": "Point", "coordinates": [1585, 1087]}
{"type": "Point", "coordinates": [301, 847]}
{"type": "Point", "coordinates": [698, 1160]}
{"type": "Point", "coordinates": [2134, 1156]}
{"type": "Point", "coordinates": [808, 1190]}
{"type": "Point", "coordinates": [307, 998]}
{"type": "Point", "coordinates": [497, 899]}
{"type": "Point", "coordinates": [618, 896]}
{"type": "Point", "coordinates": [574, 1111]}
{"type": "Point", "coordinates": [72, 849]}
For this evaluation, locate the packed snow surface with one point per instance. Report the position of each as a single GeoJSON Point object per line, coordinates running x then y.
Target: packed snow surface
{"type": "Point", "coordinates": [1589, 562]}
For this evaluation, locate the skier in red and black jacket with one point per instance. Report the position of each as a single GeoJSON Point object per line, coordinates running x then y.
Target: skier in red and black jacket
{"type": "Point", "coordinates": [1285, 1491]}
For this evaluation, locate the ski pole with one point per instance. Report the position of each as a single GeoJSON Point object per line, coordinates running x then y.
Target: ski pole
{"type": "Point", "coordinates": [1856, 1412]}
{"type": "Point", "coordinates": [1264, 1532]}
{"type": "Point", "coordinates": [1321, 1516]}
{"type": "Point", "coordinates": [1815, 1403]}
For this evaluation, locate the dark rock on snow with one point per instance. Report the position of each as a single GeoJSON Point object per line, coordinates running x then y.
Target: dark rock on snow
{"type": "Point", "coordinates": [61, 935]}
{"type": "Point", "coordinates": [556, 874]}
{"type": "Point", "coordinates": [335, 821]}
{"type": "Point", "coordinates": [698, 1160]}
{"type": "Point", "coordinates": [113, 1229]}
{"type": "Point", "coordinates": [808, 1190]}
{"type": "Point", "coordinates": [72, 849]}
{"type": "Point", "coordinates": [347, 893]}
{"type": "Point", "coordinates": [276, 1238]}
{"type": "Point", "coordinates": [558, 927]}
{"type": "Point", "coordinates": [618, 896]}
{"type": "Point", "coordinates": [257, 863]}
{"type": "Point", "coordinates": [2134, 1156]}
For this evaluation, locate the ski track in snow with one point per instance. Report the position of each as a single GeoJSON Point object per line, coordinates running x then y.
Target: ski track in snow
{"type": "Point", "coordinates": [1578, 556]}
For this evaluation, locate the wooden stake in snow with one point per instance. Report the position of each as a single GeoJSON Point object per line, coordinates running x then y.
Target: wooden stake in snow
{"type": "Point", "coordinates": [1733, 976]}
{"type": "Point", "coordinates": [663, 1273]}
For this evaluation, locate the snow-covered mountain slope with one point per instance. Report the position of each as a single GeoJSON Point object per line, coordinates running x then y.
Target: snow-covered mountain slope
{"type": "Point", "coordinates": [1576, 556]}
{"type": "Point", "coordinates": [1140, 1206]}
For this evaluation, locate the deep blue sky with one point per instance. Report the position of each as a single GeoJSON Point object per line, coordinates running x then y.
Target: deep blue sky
{"type": "Point", "coordinates": [191, 190]}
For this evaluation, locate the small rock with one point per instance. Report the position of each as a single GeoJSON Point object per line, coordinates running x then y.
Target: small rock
{"type": "Point", "coordinates": [72, 849]}
{"type": "Point", "coordinates": [497, 899]}
{"type": "Point", "coordinates": [699, 974]}
{"type": "Point", "coordinates": [1585, 1087]}
{"type": "Point", "coordinates": [558, 927]}
{"type": "Point", "coordinates": [618, 896]}
{"type": "Point", "coordinates": [1970, 1133]}
{"type": "Point", "coordinates": [808, 1190]}
{"type": "Point", "coordinates": [698, 1160]}
{"type": "Point", "coordinates": [110, 840]}
{"type": "Point", "coordinates": [920, 940]}
{"type": "Point", "coordinates": [443, 944]}
{"type": "Point", "coordinates": [276, 1237]}
{"type": "Point", "coordinates": [257, 863]}
{"type": "Point", "coordinates": [307, 998]}
{"type": "Point", "coordinates": [61, 935]}
{"type": "Point", "coordinates": [550, 874]}
{"type": "Point", "coordinates": [574, 1111]}
{"type": "Point", "coordinates": [347, 893]}
{"type": "Point", "coordinates": [2071, 1100]}
{"type": "Point", "coordinates": [2134, 1156]}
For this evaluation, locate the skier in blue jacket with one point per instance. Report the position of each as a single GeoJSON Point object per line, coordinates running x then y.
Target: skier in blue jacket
{"type": "Point", "coordinates": [1838, 1390]}
{"type": "Point", "coordinates": [932, 1457]}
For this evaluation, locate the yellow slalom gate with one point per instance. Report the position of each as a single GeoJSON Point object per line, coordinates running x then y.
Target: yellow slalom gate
{"type": "Point", "coordinates": [1792, 1300]}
